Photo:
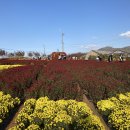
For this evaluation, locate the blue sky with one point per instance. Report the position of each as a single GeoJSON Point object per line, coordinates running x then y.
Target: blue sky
{"type": "Point", "coordinates": [31, 25]}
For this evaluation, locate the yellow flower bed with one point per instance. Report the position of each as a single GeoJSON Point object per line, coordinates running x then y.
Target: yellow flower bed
{"type": "Point", "coordinates": [45, 114]}
{"type": "Point", "coordinates": [6, 104]}
{"type": "Point", "coordinates": [117, 110]}
{"type": "Point", "coordinates": [3, 67]}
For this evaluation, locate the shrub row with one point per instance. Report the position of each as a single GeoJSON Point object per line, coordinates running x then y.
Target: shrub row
{"type": "Point", "coordinates": [3, 67]}
{"type": "Point", "coordinates": [7, 103]}
{"type": "Point", "coordinates": [24, 62]}
{"type": "Point", "coordinates": [99, 80]}
{"type": "Point", "coordinates": [56, 82]}
{"type": "Point", "coordinates": [62, 79]}
{"type": "Point", "coordinates": [117, 111]}
{"type": "Point", "coordinates": [16, 80]}
{"type": "Point", "coordinates": [56, 115]}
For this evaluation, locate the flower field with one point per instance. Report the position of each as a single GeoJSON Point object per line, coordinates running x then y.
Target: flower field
{"type": "Point", "coordinates": [98, 80]}
{"type": "Point", "coordinates": [16, 80]}
{"type": "Point", "coordinates": [22, 62]}
{"type": "Point", "coordinates": [65, 81]}
{"type": "Point", "coordinates": [117, 111]}
{"type": "Point", "coordinates": [3, 67]}
{"type": "Point", "coordinates": [56, 115]}
{"type": "Point", "coordinates": [7, 103]}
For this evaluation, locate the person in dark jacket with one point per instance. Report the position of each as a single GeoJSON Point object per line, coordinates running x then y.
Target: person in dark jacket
{"type": "Point", "coordinates": [110, 58]}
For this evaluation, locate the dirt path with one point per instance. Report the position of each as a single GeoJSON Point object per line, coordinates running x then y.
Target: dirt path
{"type": "Point", "coordinates": [85, 99]}
{"type": "Point", "coordinates": [12, 122]}
{"type": "Point", "coordinates": [92, 107]}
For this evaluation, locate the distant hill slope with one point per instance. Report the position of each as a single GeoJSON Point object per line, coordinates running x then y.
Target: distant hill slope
{"type": "Point", "coordinates": [127, 49]}
{"type": "Point", "coordinates": [108, 48]}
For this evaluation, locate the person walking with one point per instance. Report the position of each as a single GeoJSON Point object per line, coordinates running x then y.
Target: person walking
{"type": "Point", "coordinates": [110, 58]}
{"type": "Point", "coordinates": [121, 58]}
{"type": "Point", "coordinates": [99, 58]}
{"type": "Point", "coordinates": [59, 57]}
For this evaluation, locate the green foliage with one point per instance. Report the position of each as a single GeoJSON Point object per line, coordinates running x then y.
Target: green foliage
{"type": "Point", "coordinates": [92, 57]}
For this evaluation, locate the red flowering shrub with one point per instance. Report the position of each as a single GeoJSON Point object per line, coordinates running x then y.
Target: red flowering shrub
{"type": "Point", "coordinates": [25, 62]}
{"type": "Point", "coordinates": [16, 80]}
{"type": "Point", "coordinates": [61, 79]}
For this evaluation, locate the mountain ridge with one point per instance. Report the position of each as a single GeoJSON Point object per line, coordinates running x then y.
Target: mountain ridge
{"type": "Point", "coordinates": [109, 48]}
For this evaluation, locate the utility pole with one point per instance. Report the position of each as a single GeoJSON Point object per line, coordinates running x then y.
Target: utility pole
{"type": "Point", "coordinates": [62, 42]}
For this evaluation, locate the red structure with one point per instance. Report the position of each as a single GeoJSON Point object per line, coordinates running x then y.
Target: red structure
{"type": "Point", "coordinates": [58, 56]}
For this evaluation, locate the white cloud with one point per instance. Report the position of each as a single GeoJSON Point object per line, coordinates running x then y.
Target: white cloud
{"type": "Point", "coordinates": [126, 34]}
{"type": "Point", "coordinates": [90, 46]}
{"type": "Point", "coordinates": [87, 46]}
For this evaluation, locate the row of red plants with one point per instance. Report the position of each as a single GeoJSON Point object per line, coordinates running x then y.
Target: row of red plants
{"type": "Point", "coordinates": [56, 82]}
{"type": "Point", "coordinates": [16, 80]}
{"type": "Point", "coordinates": [24, 62]}
{"type": "Point", "coordinates": [99, 80]}
{"type": "Point", "coordinates": [62, 79]}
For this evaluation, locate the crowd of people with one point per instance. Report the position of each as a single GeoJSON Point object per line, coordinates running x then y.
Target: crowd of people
{"type": "Point", "coordinates": [61, 57]}
{"type": "Point", "coordinates": [110, 58]}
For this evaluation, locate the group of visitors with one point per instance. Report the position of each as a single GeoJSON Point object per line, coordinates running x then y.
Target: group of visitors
{"type": "Point", "coordinates": [110, 58]}
{"type": "Point", "coordinates": [121, 58]}
{"type": "Point", "coordinates": [61, 57]}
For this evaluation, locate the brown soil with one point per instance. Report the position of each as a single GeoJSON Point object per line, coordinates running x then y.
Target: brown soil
{"type": "Point", "coordinates": [12, 122]}
{"type": "Point", "coordinates": [92, 107]}
{"type": "Point", "coordinates": [85, 99]}
{"type": "Point", "coordinates": [95, 112]}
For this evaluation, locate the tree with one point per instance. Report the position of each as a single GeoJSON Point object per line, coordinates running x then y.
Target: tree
{"type": "Point", "coordinates": [36, 54]}
{"type": "Point", "coordinates": [92, 57]}
{"type": "Point", "coordinates": [2, 52]}
{"type": "Point", "coordinates": [20, 53]}
{"type": "Point", "coordinates": [30, 54]}
{"type": "Point", "coordinates": [11, 54]}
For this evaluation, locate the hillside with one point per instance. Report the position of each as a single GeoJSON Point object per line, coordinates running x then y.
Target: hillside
{"type": "Point", "coordinates": [108, 48]}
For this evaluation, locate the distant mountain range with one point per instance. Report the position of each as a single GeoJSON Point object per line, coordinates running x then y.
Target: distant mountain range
{"type": "Point", "coordinates": [111, 49]}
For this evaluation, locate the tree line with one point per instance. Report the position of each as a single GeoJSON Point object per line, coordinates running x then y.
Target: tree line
{"type": "Point", "coordinates": [30, 54]}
